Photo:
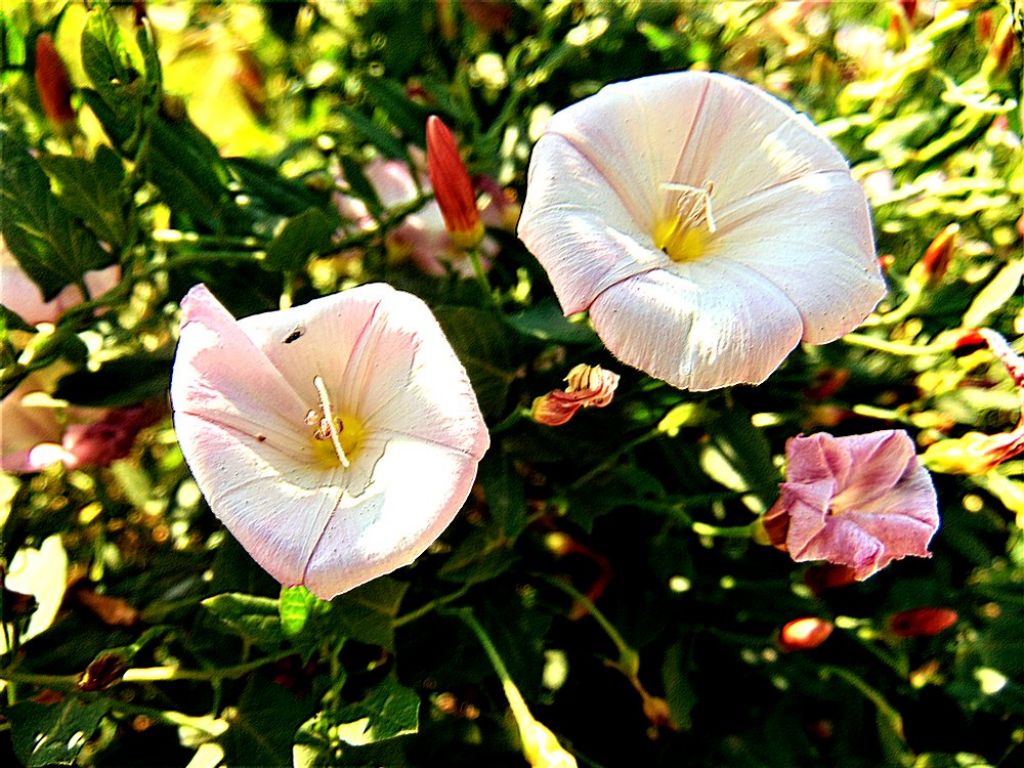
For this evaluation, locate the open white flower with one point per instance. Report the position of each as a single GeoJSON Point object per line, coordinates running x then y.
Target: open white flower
{"type": "Point", "coordinates": [706, 226]}
{"type": "Point", "coordinates": [336, 440]}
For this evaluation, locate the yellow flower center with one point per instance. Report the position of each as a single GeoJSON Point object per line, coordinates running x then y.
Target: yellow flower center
{"type": "Point", "coordinates": [336, 436]}
{"type": "Point", "coordinates": [683, 233]}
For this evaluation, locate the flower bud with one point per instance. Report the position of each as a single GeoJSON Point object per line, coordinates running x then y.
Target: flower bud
{"type": "Point", "coordinates": [937, 256]}
{"type": "Point", "coordinates": [1001, 50]}
{"type": "Point", "coordinates": [103, 671]}
{"type": "Point", "coordinates": [588, 387]}
{"type": "Point", "coordinates": [53, 83]}
{"type": "Point", "coordinates": [922, 622]}
{"type": "Point", "coordinates": [452, 186]}
{"type": "Point", "coordinates": [804, 634]}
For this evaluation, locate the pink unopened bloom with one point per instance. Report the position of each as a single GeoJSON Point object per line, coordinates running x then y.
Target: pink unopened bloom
{"type": "Point", "coordinates": [588, 387]}
{"type": "Point", "coordinates": [859, 501]}
{"type": "Point", "coordinates": [452, 187]}
{"type": "Point", "coordinates": [335, 440]}
{"type": "Point", "coordinates": [706, 226]}
{"type": "Point", "coordinates": [422, 236]}
{"type": "Point", "coordinates": [22, 296]}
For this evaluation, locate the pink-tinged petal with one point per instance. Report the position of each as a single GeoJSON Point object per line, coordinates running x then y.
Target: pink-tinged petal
{"type": "Point", "coordinates": [779, 145]}
{"type": "Point", "coordinates": [394, 367]}
{"type": "Point", "coordinates": [242, 390]}
{"type": "Point", "coordinates": [860, 501]}
{"type": "Point", "coordinates": [650, 162]}
{"type": "Point", "coordinates": [23, 427]}
{"type": "Point", "coordinates": [787, 232]}
{"type": "Point", "coordinates": [667, 323]}
{"type": "Point", "coordinates": [275, 504]}
{"type": "Point", "coordinates": [582, 233]}
{"type": "Point", "coordinates": [417, 489]}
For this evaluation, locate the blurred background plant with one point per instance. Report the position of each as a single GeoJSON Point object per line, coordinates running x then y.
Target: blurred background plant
{"type": "Point", "coordinates": [604, 593]}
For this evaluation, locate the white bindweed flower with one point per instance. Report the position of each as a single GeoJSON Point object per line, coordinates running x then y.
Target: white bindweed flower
{"type": "Point", "coordinates": [706, 226]}
{"type": "Point", "coordinates": [335, 440]}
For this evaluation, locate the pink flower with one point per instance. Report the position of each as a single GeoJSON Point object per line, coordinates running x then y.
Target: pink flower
{"type": "Point", "coordinates": [588, 387]}
{"type": "Point", "coordinates": [34, 434]}
{"type": "Point", "coordinates": [706, 226]}
{"type": "Point", "coordinates": [335, 440]}
{"type": "Point", "coordinates": [22, 296]}
{"type": "Point", "coordinates": [422, 236]}
{"type": "Point", "coordinates": [859, 501]}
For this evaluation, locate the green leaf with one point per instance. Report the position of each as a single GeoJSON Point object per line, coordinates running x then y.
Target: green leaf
{"type": "Point", "coordinates": [125, 381]}
{"type": "Point", "coordinates": [300, 238]}
{"type": "Point", "coordinates": [377, 136]}
{"type": "Point", "coordinates": [12, 321]}
{"type": "Point", "coordinates": [296, 606]}
{"type": "Point", "coordinates": [746, 451]}
{"type": "Point", "coordinates": [114, 71]}
{"type": "Point", "coordinates": [366, 613]}
{"type": "Point", "coordinates": [483, 345]}
{"type": "Point", "coordinates": [283, 195]}
{"type": "Point", "coordinates": [483, 555]}
{"type": "Point", "coordinates": [359, 184]}
{"type": "Point", "coordinates": [257, 619]}
{"type": "Point", "coordinates": [52, 248]}
{"type": "Point", "coordinates": [503, 489]}
{"type": "Point", "coordinates": [93, 191]}
{"type": "Point", "coordinates": [388, 711]}
{"type": "Point", "coordinates": [546, 322]}
{"type": "Point", "coordinates": [262, 727]}
{"type": "Point", "coordinates": [407, 116]}
{"type": "Point", "coordinates": [54, 734]}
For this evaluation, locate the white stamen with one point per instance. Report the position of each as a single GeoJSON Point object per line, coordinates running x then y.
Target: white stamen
{"type": "Point", "coordinates": [325, 405]}
{"type": "Point", "coordinates": [701, 211]}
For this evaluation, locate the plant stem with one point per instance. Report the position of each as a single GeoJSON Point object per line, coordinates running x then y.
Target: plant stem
{"type": "Point", "coordinates": [629, 659]}
{"type": "Point", "coordinates": [895, 347]}
{"type": "Point", "coordinates": [423, 610]}
{"type": "Point", "coordinates": [480, 275]}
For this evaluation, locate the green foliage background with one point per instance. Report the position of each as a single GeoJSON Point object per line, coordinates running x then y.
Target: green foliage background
{"type": "Point", "coordinates": [172, 647]}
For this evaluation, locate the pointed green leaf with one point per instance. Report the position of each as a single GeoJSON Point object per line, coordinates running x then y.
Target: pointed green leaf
{"type": "Point", "coordinates": [300, 238]}
{"type": "Point", "coordinates": [54, 734]}
{"type": "Point", "coordinates": [93, 191]}
{"type": "Point", "coordinates": [257, 619]}
{"type": "Point", "coordinates": [52, 248]}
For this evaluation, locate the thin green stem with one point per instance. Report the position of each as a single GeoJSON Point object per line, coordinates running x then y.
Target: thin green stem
{"type": "Point", "coordinates": [614, 457]}
{"type": "Point", "coordinates": [628, 658]}
{"type": "Point", "coordinates": [900, 313]}
{"type": "Point", "coordinates": [869, 693]}
{"type": "Point", "coordinates": [895, 347]}
{"type": "Point", "coordinates": [428, 607]}
{"type": "Point", "coordinates": [206, 257]}
{"type": "Point", "coordinates": [480, 275]}
{"type": "Point", "coordinates": [730, 532]}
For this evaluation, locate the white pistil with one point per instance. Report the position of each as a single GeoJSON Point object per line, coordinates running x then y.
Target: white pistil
{"type": "Point", "coordinates": [699, 210]}
{"type": "Point", "coordinates": [327, 424]}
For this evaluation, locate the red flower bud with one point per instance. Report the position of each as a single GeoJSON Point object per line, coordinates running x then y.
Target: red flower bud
{"type": "Point", "coordinates": [938, 254]}
{"type": "Point", "coordinates": [53, 83]}
{"type": "Point", "coordinates": [452, 186]}
{"type": "Point", "coordinates": [922, 622]}
{"type": "Point", "coordinates": [804, 634]}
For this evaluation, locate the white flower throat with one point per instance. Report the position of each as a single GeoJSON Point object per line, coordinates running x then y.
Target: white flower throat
{"type": "Point", "coordinates": [682, 235]}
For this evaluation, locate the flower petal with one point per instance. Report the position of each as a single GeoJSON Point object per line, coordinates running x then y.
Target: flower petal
{"type": "Point", "coordinates": [417, 489]}
{"type": "Point", "coordinates": [788, 232]}
{"type": "Point", "coordinates": [582, 233]}
{"type": "Point", "coordinates": [698, 326]}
